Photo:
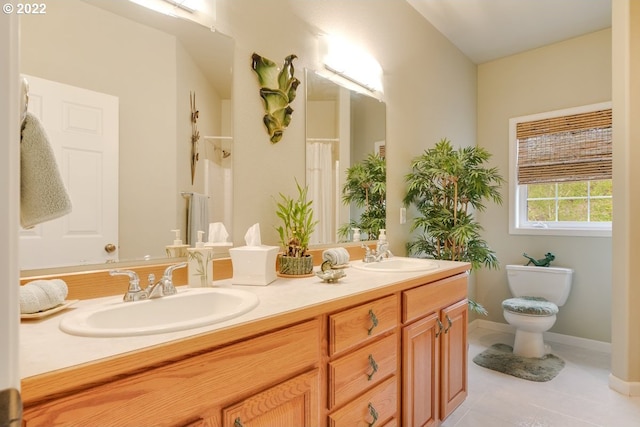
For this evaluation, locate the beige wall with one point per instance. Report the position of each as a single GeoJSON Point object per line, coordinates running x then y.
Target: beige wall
{"type": "Point", "coordinates": [430, 91]}
{"type": "Point", "coordinates": [567, 74]}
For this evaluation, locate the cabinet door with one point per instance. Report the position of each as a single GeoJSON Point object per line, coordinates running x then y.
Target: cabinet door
{"type": "Point", "coordinates": [293, 403]}
{"type": "Point", "coordinates": [420, 354]}
{"type": "Point", "coordinates": [453, 382]}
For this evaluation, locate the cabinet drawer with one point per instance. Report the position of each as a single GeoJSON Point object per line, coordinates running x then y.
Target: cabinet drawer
{"type": "Point", "coordinates": [429, 298]}
{"type": "Point", "coordinates": [354, 326]}
{"type": "Point", "coordinates": [352, 374]}
{"type": "Point", "coordinates": [372, 408]}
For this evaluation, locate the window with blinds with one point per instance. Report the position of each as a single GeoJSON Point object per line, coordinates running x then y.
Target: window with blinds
{"type": "Point", "coordinates": [576, 147]}
{"type": "Point", "coordinates": [561, 172]}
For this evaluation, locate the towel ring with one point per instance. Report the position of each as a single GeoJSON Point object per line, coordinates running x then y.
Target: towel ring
{"type": "Point", "coordinates": [24, 100]}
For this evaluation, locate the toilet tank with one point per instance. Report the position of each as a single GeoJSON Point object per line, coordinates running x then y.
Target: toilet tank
{"type": "Point", "coordinates": [550, 283]}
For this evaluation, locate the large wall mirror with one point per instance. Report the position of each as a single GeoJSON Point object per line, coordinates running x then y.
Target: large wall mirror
{"type": "Point", "coordinates": [343, 128]}
{"type": "Point", "coordinates": [151, 63]}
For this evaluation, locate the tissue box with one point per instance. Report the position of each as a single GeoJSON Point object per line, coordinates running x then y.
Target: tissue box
{"type": "Point", "coordinates": [254, 265]}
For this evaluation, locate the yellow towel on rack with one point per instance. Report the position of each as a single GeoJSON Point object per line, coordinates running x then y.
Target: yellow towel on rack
{"type": "Point", "coordinates": [43, 196]}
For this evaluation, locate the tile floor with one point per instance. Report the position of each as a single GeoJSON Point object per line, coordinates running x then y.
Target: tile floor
{"type": "Point", "coordinates": [578, 396]}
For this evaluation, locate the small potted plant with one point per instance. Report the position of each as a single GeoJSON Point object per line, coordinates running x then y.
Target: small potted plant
{"type": "Point", "coordinates": [295, 231]}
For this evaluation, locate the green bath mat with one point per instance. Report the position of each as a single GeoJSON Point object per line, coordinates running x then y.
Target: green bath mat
{"type": "Point", "coordinates": [500, 357]}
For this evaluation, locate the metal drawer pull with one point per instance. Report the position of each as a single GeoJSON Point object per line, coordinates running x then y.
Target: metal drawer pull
{"type": "Point", "coordinates": [374, 367]}
{"type": "Point", "coordinates": [374, 414]}
{"type": "Point", "coordinates": [237, 423]}
{"type": "Point", "coordinates": [450, 324]}
{"type": "Point", "coordinates": [374, 321]}
{"type": "Point", "coordinates": [440, 326]}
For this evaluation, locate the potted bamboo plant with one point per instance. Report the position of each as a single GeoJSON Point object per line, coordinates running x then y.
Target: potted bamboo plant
{"type": "Point", "coordinates": [447, 186]}
{"type": "Point", "coordinates": [297, 226]}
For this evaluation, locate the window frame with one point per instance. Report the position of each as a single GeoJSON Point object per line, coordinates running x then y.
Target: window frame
{"type": "Point", "coordinates": [518, 223]}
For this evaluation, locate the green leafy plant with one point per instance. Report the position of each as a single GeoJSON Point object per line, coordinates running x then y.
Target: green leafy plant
{"type": "Point", "coordinates": [447, 186]}
{"type": "Point", "coordinates": [366, 188]}
{"type": "Point", "coordinates": [278, 90]}
{"type": "Point", "coordinates": [297, 223]}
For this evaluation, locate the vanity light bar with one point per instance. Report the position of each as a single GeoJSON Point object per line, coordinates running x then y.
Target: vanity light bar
{"type": "Point", "coordinates": [351, 79]}
{"type": "Point", "coordinates": [188, 5]}
{"type": "Point", "coordinates": [351, 63]}
{"type": "Point", "coordinates": [167, 7]}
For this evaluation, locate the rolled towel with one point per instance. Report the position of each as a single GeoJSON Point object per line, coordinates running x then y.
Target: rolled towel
{"type": "Point", "coordinates": [336, 256]}
{"type": "Point", "coordinates": [40, 295]}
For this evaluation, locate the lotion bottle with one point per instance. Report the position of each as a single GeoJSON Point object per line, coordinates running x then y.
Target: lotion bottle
{"type": "Point", "coordinates": [200, 264]}
{"type": "Point", "coordinates": [382, 240]}
{"type": "Point", "coordinates": [178, 249]}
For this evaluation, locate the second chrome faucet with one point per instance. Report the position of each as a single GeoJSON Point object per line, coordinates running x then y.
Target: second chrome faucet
{"type": "Point", "coordinates": [159, 289]}
{"type": "Point", "coordinates": [381, 251]}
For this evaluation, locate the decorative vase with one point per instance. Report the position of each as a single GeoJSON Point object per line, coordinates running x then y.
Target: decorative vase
{"type": "Point", "coordinates": [296, 266]}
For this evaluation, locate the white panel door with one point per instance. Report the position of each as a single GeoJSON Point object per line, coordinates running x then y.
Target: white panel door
{"type": "Point", "coordinates": [82, 127]}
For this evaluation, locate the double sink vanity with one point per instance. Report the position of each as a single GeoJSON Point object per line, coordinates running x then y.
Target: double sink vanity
{"type": "Point", "coordinates": [386, 345]}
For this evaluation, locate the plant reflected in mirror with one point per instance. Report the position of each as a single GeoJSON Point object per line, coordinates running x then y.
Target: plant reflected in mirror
{"type": "Point", "coordinates": [366, 189]}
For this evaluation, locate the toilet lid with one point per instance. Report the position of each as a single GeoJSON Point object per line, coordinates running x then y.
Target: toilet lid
{"type": "Point", "coordinates": [532, 306]}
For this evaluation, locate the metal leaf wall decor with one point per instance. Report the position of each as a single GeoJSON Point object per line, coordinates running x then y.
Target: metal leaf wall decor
{"type": "Point", "coordinates": [278, 90]}
{"type": "Point", "coordinates": [195, 135]}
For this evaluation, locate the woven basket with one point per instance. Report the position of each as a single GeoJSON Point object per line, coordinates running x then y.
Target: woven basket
{"type": "Point", "coordinates": [294, 266]}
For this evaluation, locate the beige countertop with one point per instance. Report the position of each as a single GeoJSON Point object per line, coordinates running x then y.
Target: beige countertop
{"type": "Point", "coordinates": [44, 348]}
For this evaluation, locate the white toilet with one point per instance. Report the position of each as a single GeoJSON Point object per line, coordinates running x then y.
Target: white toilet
{"type": "Point", "coordinates": [538, 292]}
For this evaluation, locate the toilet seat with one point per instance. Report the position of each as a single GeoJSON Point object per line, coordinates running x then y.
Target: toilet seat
{"type": "Point", "coordinates": [530, 306]}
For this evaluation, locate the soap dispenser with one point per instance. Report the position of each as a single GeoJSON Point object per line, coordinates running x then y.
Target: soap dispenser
{"type": "Point", "coordinates": [178, 249]}
{"type": "Point", "coordinates": [382, 240]}
{"type": "Point", "coordinates": [200, 264]}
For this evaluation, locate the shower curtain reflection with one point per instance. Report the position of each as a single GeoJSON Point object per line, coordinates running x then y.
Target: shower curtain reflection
{"type": "Point", "coordinates": [321, 182]}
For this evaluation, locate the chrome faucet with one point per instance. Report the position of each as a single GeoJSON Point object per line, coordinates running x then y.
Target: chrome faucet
{"type": "Point", "coordinates": [162, 288]}
{"type": "Point", "coordinates": [135, 292]}
{"type": "Point", "coordinates": [381, 251]}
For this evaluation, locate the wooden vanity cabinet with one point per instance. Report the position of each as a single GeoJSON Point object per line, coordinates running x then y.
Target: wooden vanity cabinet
{"type": "Point", "coordinates": [269, 380]}
{"type": "Point", "coordinates": [434, 351]}
{"type": "Point", "coordinates": [398, 359]}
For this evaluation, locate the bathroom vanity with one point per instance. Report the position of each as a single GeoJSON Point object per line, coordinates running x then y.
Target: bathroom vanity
{"type": "Point", "coordinates": [373, 349]}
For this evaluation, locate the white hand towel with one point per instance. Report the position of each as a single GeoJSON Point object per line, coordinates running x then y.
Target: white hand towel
{"type": "Point", "coordinates": [43, 196]}
{"type": "Point", "coordinates": [40, 295]}
{"type": "Point", "coordinates": [336, 256]}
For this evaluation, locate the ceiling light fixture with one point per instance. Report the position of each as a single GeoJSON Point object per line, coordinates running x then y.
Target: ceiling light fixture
{"type": "Point", "coordinates": [351, 63]}
{"type": "Point", "coordinates": [168, 7]}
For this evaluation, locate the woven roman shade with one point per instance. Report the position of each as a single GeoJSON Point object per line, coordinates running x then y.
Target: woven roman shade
{"type": "Point", "coordinates": [575, 147]}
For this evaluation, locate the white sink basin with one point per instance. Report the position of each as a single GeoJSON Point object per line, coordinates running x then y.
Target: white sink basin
{"type": "Point", "coordinates": [189, 308]}
{"type": "Point", "coordinates": [397, 264]}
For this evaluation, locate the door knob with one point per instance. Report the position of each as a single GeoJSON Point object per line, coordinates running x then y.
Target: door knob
{"type": "Point", "coordinates": [110, 248]}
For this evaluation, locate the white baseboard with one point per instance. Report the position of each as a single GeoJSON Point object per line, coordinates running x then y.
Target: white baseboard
{"type": "Point", "coordinates": [585, 343]}
{"type": "Point", "coordinates": [624, 387]}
